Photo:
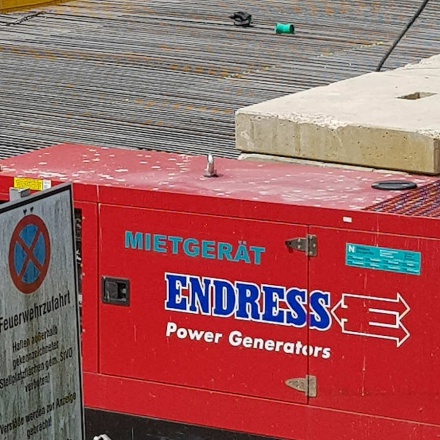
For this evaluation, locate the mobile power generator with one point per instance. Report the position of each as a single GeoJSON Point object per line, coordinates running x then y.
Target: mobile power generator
{"type": "Point", "coordinates": [247, 298]}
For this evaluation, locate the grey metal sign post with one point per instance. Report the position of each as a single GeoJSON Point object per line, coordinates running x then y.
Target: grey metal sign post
{"type": "Point", "coordinates": [40, 365]}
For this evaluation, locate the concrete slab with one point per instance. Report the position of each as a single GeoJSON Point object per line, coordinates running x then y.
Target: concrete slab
{"type": "Point", "coordinates": [385, 120]}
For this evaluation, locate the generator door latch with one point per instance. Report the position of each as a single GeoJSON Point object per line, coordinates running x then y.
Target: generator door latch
{"type": "Point", "coordinates": [307, 385]}
{"type": "Point", "coordinates": [116, 291]}
{"type": "Point", "coordinates": [308, 244]}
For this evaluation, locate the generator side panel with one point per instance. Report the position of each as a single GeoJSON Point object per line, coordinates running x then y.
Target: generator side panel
{"type": "Point", "coordinates": [384, 332]}
{"type": "Point", "coordinates": [212, 303]}
{"type": "Point", "coordinates": [220, 412]}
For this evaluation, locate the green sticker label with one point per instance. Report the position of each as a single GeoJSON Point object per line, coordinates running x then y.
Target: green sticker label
{"type": "Point", "coordinates": [386, 259]}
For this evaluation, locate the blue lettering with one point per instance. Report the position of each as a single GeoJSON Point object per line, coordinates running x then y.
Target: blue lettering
{"type": "Point", "coordinates": [191, 247]}
{"type": "Point", "coordinates": [160, 243]}
{"type": "Point", "coordinates": [242, 254]}
{"type": "Point", "coordinates": [248, 296]}
{"type": "Point", "coordinates": [200, 295]}
{"type": "Point", "coordinates": [224, 298]}
{"type": "Point", "coordinates": [134, 241]}
{"type": "Point", "coordinates": [296, 300]}
{"type": "Point", "coordinates": [320, 317]}
{"type": "Point", "coordinates": [208, 249]}
{"type": "Point", "coordinates": [248, 301]}
{"type": "Point", "coordinates": [224, 251]}
{"type": "Point", "coordinates": [175, 243]}
{"type": "Point", "coordinates": [175, 300]}
{"type": "Point", "coordinates": [257, 253]}
{"type": "Point", "coordinates": [272, 296]}
{"type": "Point", "coordinates": [148, 242]}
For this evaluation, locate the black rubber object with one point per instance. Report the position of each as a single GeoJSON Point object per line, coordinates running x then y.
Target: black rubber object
{"type": "Point", "coordinates": [394, 185]}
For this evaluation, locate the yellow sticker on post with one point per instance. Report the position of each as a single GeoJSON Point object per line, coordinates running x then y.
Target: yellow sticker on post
{"type": "Point", "coordinates": [32, 184]}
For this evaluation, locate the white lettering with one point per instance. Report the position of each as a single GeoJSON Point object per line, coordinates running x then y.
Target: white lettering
{"type": "Point", "coordinates": [171, 328]}
{"type": "Point", "coordinates": [193, 335]}
{"type": "Point", "coordinates": [236, 339]}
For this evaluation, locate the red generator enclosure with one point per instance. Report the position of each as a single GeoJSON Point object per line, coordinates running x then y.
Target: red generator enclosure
{"type": "Point", "coordinates": [282, 300]}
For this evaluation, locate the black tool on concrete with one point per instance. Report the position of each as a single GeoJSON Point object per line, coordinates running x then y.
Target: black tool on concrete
{"type": "Point", "coordinates": [241, 18]}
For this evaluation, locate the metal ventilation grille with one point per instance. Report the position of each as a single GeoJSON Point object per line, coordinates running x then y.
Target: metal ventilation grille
{"type": "Point", "coordinates": [422, 202]}
{"type": "Point", "coordinates": [169, 75]}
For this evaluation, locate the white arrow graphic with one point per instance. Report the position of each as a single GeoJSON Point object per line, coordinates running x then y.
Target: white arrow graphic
{"type": "Point", "coordinates": [383, 318]}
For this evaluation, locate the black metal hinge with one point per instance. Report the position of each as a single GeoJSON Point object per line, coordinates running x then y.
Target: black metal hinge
{"type": "Point", "coordinates": [308, 385]}
{"type": "Point", "coordinates": [308, 244]}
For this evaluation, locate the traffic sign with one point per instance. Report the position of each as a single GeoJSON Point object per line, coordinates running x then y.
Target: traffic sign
{"type": "Point", "coordinates": [40, 372]}
{"type": "Point", "coordinates": [29, 253]}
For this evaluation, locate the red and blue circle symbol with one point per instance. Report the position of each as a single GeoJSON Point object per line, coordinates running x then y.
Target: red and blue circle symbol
{"type": "Point", "coordinates": [29, 254]}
